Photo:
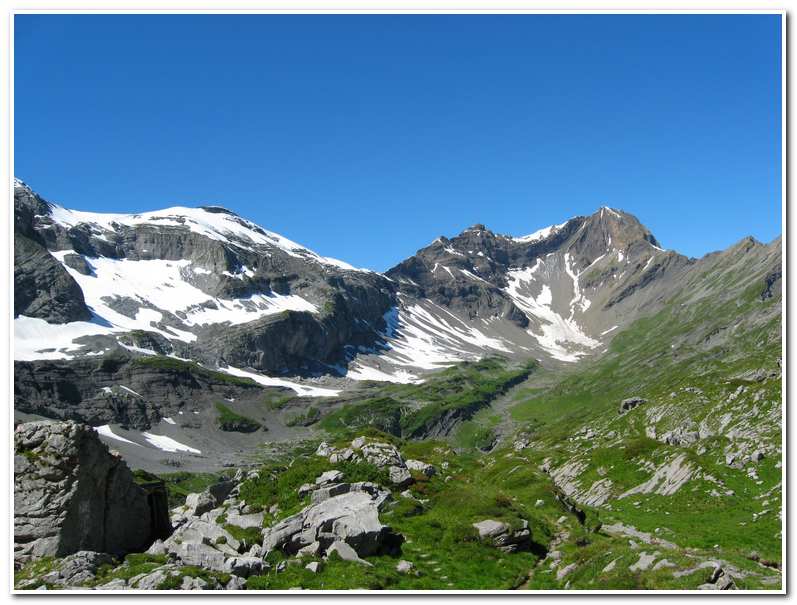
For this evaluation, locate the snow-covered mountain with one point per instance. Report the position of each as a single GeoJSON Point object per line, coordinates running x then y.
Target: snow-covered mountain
{"type": "Point", "coordinates": [208, 285]}
{"type": "Point", "coordinates": [196, 283]}
{"type": "Point", "coordinates": [104, 303]}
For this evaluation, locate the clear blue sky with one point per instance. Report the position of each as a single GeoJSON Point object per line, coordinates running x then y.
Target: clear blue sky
{"type": "Point", "coordinates": [365, 137]}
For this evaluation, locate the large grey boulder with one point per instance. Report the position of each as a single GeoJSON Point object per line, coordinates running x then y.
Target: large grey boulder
{"type": "Point", "coordinates": [200, 555]}
{"type": "Point", "coordinates": [244, 521]}
{"type": "Point", "coordinates": [503, 537]}
{"type": "Point", "coordinates": [343, 513]}
{"type": "Point", "coordinates": [400, 477]}
{"type": "Point", "coordinates": [382, 455]}
{"type": "Point", "coordinates": [199, 531]}
{"type": "Point", "coordinates": [71, 494]}
{"type": "Point", "coordinates": [421, 467]}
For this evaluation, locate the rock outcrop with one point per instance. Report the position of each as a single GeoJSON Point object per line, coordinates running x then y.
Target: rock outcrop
{"type": "Point", "coordinates": [626, 405]}
{"type": "Point", "coordinates": [88, 389]}
{"type": "Point", "coordinates": [72, 494]}
{"type": "Point", "coordinates": [343, 518]}
{"type": "Point", "coordinates": [503, 537]}
{"type": "Point", "coordinates": [42, 287]}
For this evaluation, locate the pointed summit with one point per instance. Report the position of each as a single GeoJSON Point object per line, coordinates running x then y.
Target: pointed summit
{"type": "Point", "coordinates": [617, 229]}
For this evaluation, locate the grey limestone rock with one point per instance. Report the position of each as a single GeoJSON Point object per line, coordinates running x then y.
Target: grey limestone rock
{"type": "Point", "coordinates": [71, 494]}
{"type": "Point", "coordinates": [347, 514]}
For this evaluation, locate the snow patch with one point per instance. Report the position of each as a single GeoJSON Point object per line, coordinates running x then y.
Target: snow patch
{"type": "Point", "coordinates": [452, 250]}
{"type": "Point", "coordinates": [428, 336]}
{"type": "Point", "coordinates": [167, 444]}
{"type": "Point", "coordinates": [560, 337]}
{"type": "Point", "coordinates": [105, 431]}
{"type": "Point", "coordinates": [540, 234]}
{"type": "Point", "coordinates": [300, 389]}
{"type": "Point", "coordinates": [362, 372]}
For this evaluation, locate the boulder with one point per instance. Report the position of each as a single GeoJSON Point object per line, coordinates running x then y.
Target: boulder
{"type": "Point", "coordinates": [72, 494]}
{"type": "Point", "coordinates": [626, 405]}
{"type": "Point", "coordinates": [329, 491]}
{"type": "Point", "coordinates": [566, 571]}
{"type": "Point", "coordinates": [157, 548]}
{"type": "Point", "coordinates": [78, 569]}
{"type": "Point", "coordinates": [244, 521]}
{"type": "Point", "coordinates": [684, 435]}
{"type": "Point", "coordinates": [190, 583]}
{"type": "Point", "coordinates": [329, 477]}
{"type": "Point", "coordinates": [421, 467]}
{"type": "Point", "coordinates": [346, 552]}
{"type": "Point", "coordinates": [400, 477]}
{"type": "Point", "coordinates": [644, 562]}
{"type": "Point", "coordinates": [205, 544]}
{"type": "Point", "coordinates": [342, 455]}
{"type": "Point", "coordinates": [324, 450]}
{"type": "Point", "coordinates": [151, 580]}
{"type": "Point", "coordinates": [344, 513]}
{"type": "Point", "coordinates": [115, 584]}
{"type": "Point", "coordinates": [382, 455]}
{"type": "Point", "coordinates": [201, 555]}
{"type": "Point", "coordinates": [199, 504]}
{"type": "Point", "coordinates": [490, 528]}
{"type": "Point", "coordinates": [502, 536]}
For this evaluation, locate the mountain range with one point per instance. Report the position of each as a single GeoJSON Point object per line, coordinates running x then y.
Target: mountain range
{"type": "Point", "coordinates": [207, 287]}
{"type": "Point", "coordinates": [574, 408]}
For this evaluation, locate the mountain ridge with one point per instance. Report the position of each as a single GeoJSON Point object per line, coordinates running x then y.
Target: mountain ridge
{"type": "Point", "coordinates": [206, 287]}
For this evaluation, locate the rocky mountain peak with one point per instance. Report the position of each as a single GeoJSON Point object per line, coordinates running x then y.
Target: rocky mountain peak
{"type": "Point", "coordinates": [609, 231]}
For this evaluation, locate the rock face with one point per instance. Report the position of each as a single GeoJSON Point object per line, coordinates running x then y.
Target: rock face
{"type": "Point", "coordinates": [87, 389]}
{"type": "Point", "coordinates": [71, 494]}
{"type": "Point", "coordinates": [42, 287]}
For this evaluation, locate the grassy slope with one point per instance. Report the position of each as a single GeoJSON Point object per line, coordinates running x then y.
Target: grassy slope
{"type": "Point", "coordinates": [689, 378]}
{"type": "Point", "coordinates": [415, 411]}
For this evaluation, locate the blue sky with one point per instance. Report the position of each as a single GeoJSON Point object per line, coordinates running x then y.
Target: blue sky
{"type": "Point", "coordinates": [365, 137]}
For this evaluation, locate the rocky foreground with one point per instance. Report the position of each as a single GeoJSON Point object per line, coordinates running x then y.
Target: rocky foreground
{"type": "Point", "coordinates": [361, 513]}
{"type": "Point", "coordinates": [79, 510]}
